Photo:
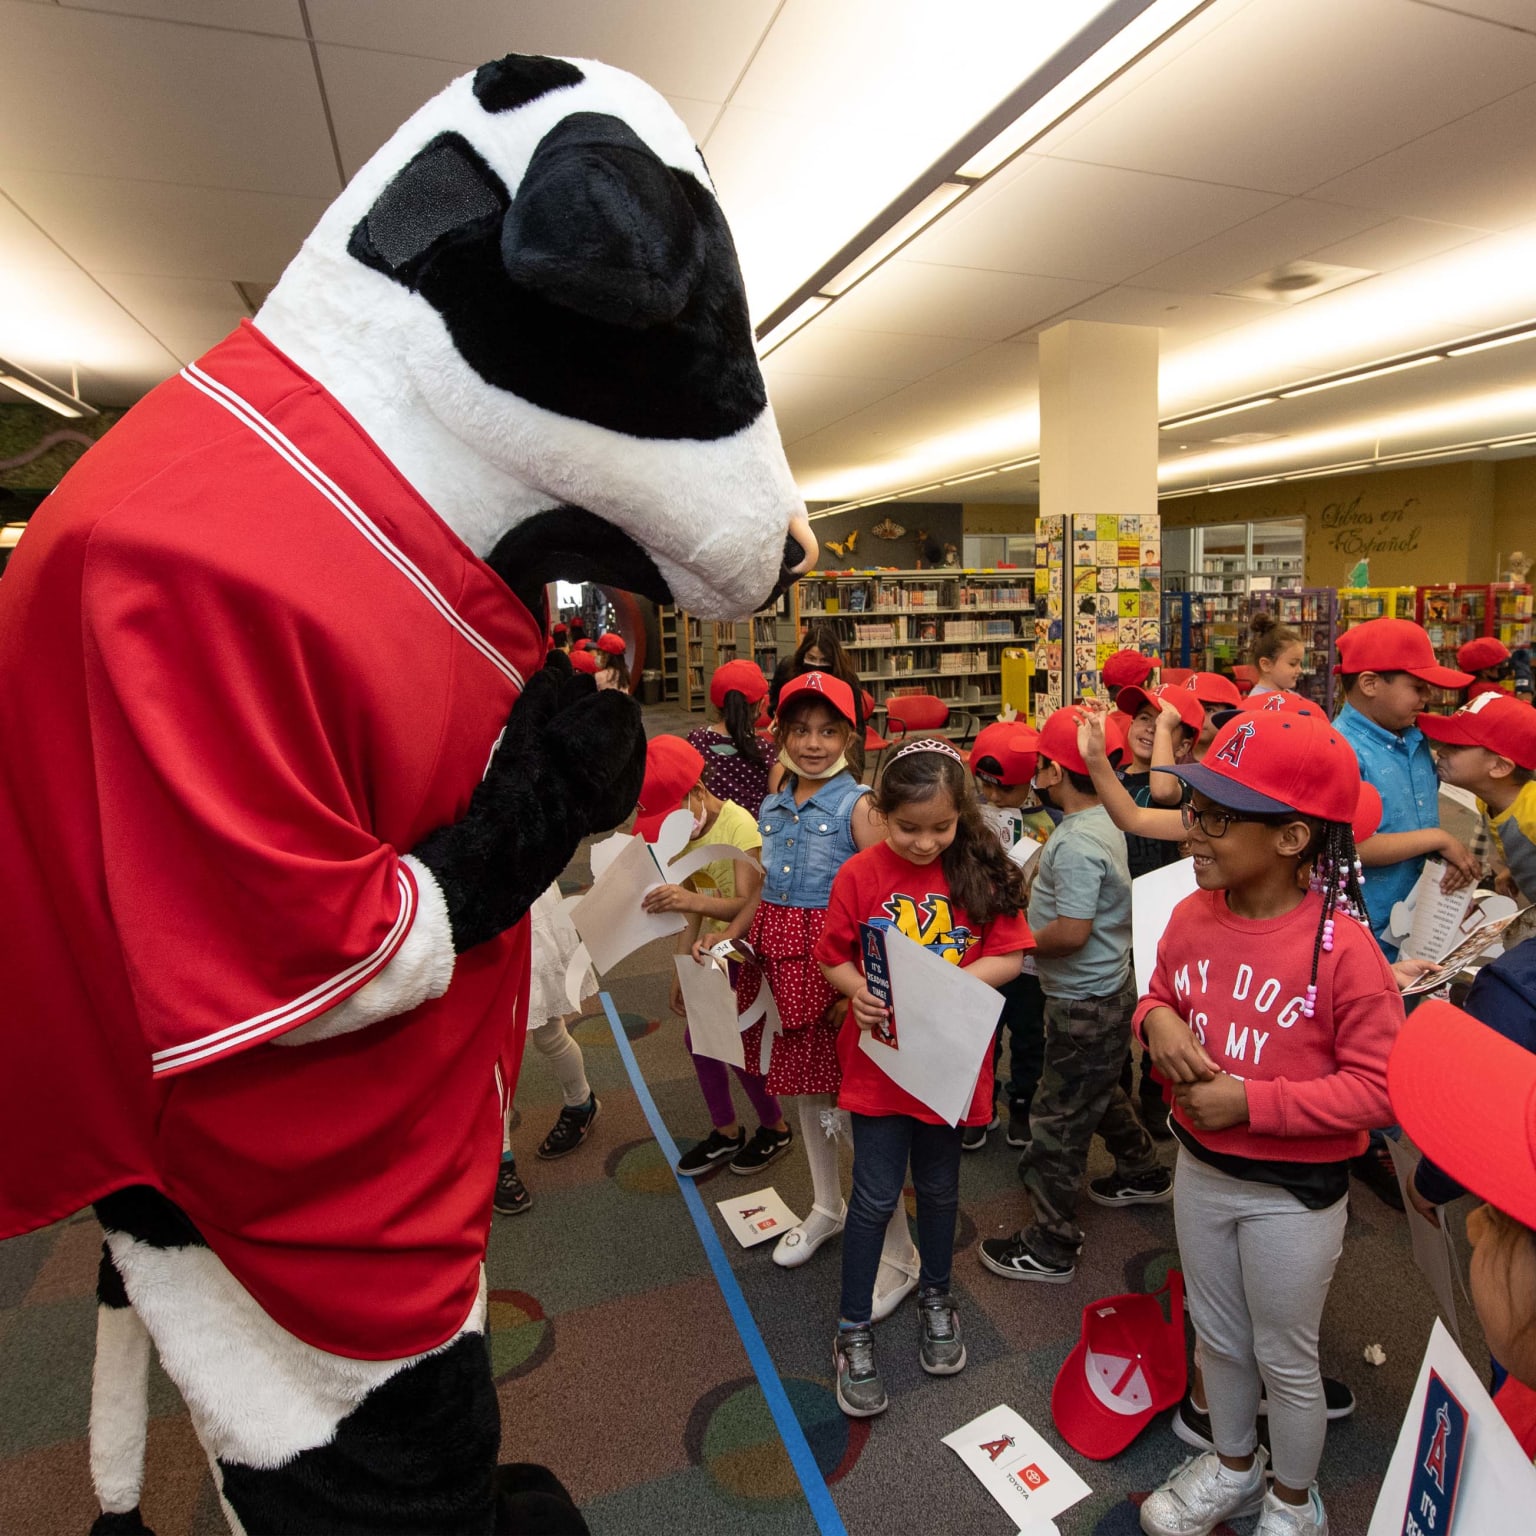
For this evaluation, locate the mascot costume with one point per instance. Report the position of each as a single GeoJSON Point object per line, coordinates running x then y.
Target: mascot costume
{"type": "Point", "coordinates": [285, 767]}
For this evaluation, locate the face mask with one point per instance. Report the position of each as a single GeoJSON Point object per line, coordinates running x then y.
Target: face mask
{"type": "Point", "coordinates": [815, 666]}
{"type": "Point", "coordinates": [789, 765]}
{"type": "Point", "coordinates": [699, 818]}
{"type": "Point", "coordinates": [1042, 795]}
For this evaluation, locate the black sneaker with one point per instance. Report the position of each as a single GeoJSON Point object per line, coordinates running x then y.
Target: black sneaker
{"type": "Point", "coordinates": [766, 1146]}
{"type": "Point", "coordinates": [570, 1129]}
{"type": "Point", "coordinates": [1339, 1401]}
{"type": "Point", "coordinates": [973, 1137]}
{"type": "Point", "coordinates": [715, 1148]}
{"type": "Point", "coordinates": [1193, 1425]}
{"type": "Point", "coordinates": [1018, 1126]}
{"type": "Point", "coordinates": [1132, 1189]}
{"type": "Point", "coordinates": [1008, 1257]}
{"type": "Point", "coordinates": [512, 1197]}
{"type": "Point", "coordinates": [941, 1351]}
{"type": "Point", "coordinates": [1154, 1115]}
{"type": "Point", "coordinates": [1374, 1169]}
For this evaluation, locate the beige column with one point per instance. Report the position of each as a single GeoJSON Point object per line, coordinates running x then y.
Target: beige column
{"type": "Point", "coordinates": [1098, 549]}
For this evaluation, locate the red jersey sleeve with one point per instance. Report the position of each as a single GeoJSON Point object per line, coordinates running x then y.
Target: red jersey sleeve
{"type": "Point", "coordinates": [247, 890]}
{"type": "Point", "coordinates": [1003, 936]}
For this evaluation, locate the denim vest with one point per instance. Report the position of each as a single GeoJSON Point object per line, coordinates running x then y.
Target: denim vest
{"type": "Point", "coordinates": [804, 846]}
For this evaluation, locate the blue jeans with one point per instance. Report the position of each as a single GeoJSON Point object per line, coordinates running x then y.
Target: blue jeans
{"type": "Point", "coordinates": [882, 1146]}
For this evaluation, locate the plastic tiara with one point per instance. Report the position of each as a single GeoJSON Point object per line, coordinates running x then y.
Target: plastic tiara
{"type": "Point", "coordinates": [929, 744]}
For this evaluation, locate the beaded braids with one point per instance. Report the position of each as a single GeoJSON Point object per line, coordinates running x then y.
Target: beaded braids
{"type": "Point", "coordinates": [1336, 875]}
{"type": "Point", "coordinates": [982, 878]}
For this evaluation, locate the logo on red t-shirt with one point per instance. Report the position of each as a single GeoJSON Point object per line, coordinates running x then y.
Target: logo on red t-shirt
{"type": "Point", "coordinates": [930, 921]}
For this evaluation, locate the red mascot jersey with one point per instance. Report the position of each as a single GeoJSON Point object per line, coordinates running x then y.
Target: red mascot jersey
{"type": "Point", "coordinates": [243, 667]}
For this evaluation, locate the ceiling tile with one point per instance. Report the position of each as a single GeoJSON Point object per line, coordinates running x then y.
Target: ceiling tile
{"type": "Point", "coordinates": [280, 18]}
{"type": "Point", "coordinates": [693, 48]}
{"type": "Point", "coordinates": [1297, 68]}
{"type": "Point", "coordinates": [1277, 235]}
{"type": "Point", "coordinates": [1088, 222]}
{"type": "Point", "coordinates": [372, 93]}
{"type": "Point", "coordinates": [23, 246]}
{"type": "Point", "coordinates": [186, 315]}
{"type": "Point", "coordinates": [820, 349]}
{"type": "Point", "coordinates": [804, 403]}
{"type": "Point", "coordinates": [1480, 171]}
{"type": "Point", "coordinates": [1396, 243]}
{"type": "Point", "coordinates": [190, 105]}
{"type": "Point", "coordinates": [918, 298]}
{"type": "Point", "coordinates": [1182, 317]}
{"type": "Point", "coordinates": [151, 228]}
{"type": "Point", "coordinates": [1509, 13]}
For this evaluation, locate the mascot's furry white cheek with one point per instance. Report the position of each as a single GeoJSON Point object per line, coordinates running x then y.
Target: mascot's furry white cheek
{"type": "Point", "coordinates": [542, 253]}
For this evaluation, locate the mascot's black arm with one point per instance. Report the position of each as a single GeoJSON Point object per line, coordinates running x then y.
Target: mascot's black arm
{"type": "Point", "coordinates": [569, 763]}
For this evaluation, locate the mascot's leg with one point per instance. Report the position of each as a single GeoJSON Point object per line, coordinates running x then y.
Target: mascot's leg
{"type": "Point", "coordinates": [119, 1406]}
{"type": "Point", "coordinates": [302, 1440]}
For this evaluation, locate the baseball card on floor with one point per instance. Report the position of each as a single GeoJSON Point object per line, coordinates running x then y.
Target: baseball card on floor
{"type": "Point", "coordinates": [756, 1217]}
{"type": "Point", "coordinates": [1017, 1466]}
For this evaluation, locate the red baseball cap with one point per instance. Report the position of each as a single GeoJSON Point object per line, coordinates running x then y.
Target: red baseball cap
{"type": "Point", "coordinates": [1005, 753]}
{"type": "Point", "coordinates": [584, 661]}
{"type": "Point", "coordinates": [1477, 655]}
{"type": "Point", "coordinates": [1058, 737]}
{"type": "Point", "coordinates": [1368, 812]}
{"type": "Point", "coordinates": [1394, 645]}
{"type": "Point", "coordinates": [559, 629]}
{"type": "Point", "coordinates": [1272, 704]}
{"type": "Point", "coordinates": [1467, 1097]}
{"type": "Point", "coordinates": [1131, 701]}
{"type": "Point", "coordinates": [1126, 668]}
{"type": "Point", "coordinates": [1126, 1367]}
{"type": "Point", "coordinates": [582, 645]}
{"type": "Point", "coordinates": [612, 643]}
{"type": "Point", "coordinates": [1275, 763]}
{"type": "Point", "coordinates": [672, 768]}
{"type": "Point", "coordinates": [743, 677]}
{"type": "Point", "coordinates": [1477, 690]}
{"type": "Point", "coordinates": [1212, 689]}
{"type": "Point", "coordinates": [832, 689]}
{"type": "Point", "coordinates": [1498, 721]}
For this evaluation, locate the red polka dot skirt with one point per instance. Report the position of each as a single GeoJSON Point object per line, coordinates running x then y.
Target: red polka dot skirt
{"type": "Point", "coordinates": [804, 1058]}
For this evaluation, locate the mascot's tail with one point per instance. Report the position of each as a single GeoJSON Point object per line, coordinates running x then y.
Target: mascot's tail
{"type": "Point", "coordinates": [119, 1406]}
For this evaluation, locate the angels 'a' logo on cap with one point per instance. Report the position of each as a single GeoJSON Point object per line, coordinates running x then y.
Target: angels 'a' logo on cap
{"type": "Point", "coordinates": [813, 680]}
{"type": "Point", "coordinates": [1274, 703]}
{"type": "Point", "coordinates": [1482, 701]}
{"type": "Point", "coordinates": [1232, 750]}
{"type": "Point", "coordinates": [1189, 682]}
{"type": "Point", "coordinates": [995, 1448]}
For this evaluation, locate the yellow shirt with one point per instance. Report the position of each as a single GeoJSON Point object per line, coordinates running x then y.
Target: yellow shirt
{"type": "Point", "coordinates": [718, 878]}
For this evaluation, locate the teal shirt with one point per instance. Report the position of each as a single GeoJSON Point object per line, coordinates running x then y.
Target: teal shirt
{"type": "Point", "coordinates": [1082, 872]}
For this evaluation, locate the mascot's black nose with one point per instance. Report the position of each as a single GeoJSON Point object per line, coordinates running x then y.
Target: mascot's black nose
{"type": "Point", "coordinates": [791, 570]}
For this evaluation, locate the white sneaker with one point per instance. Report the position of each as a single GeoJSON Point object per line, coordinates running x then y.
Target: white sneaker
{"type": "Point", "coordinates": [1201, 1493]}
{"type": "Point", "coordinates": [1278, 1518]}
{"type": "Point", "coordinates": [799, 1243]}
{"type": "Point", "coordinates": [900, 1281]}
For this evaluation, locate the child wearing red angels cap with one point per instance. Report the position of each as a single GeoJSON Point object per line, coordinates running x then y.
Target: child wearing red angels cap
{"type": "Point", "coordinates": [1488, 662]}
{"type": "Point", "coordinates": [1467, 1096]}
{"type": "Point", "coordinates": [1126, 669]}
{"type": "Point", "coordinates": [674, 778]}
{"type": "Point", "coordinates": [1080, 917]}
{"type": "Point", "coordinates": [1272, 1012]}
{"type": "Point", "coordinates": [737, 756]}
{"type": "Point", "coordinates": [1215, 692]}
{"type": "Point", "coordinates": [1003, 762]}
{"type": "Point", "coordinates": [1489, 747]}
{"type": "Point", "coordinates": [612, 662]}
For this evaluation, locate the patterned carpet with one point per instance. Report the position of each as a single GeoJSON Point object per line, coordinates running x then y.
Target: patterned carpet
{"type": "Point", "coordinates": [619, 1366]}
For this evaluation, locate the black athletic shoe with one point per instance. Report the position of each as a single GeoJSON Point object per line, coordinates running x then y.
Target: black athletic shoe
{"type": "Point", "coordinates": [512, 1197]}
{"type": "Point", "coordinates": [1374, 1169]}
{"type": "Point", "coordinates": [570, 1129]}
{"type": "Point", "coordinates": [1339, 1401]}
{"type": "Point", "coordinates": [1008, 1257]}
{"type": "Point", "coordinates": [1192, 1425]}
{"type": "Point", "coordinates": [1139, 1189]}
{"type": "Point", "coordinates": [715, 1148]}
{"type": "Point", "coordinates": [767, 1146]}
{"type": "Point", "coordinates": [973, 1138]}
{"type": "Point", "coordinates": [1018, 1126]}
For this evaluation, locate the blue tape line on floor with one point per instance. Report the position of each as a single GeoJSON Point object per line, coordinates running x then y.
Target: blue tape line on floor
{"type": "Point", "coordinates": [817, 1495]}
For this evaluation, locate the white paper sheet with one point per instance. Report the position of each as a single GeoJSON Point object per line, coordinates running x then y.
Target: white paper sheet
{"type": "Point", "coordinates": [756, 1217]}
{"type": "Point", "coordinates": [1430, 920]}
{"type": "Point", "coordinates": [947, 1021]}
{"type": "Point", "coordinates": [1497, 1478]}
{"type": "Point", "coordinates": [610, 919]}
{"type": "Point", "coordinates": [1153, 898]}
{"type": "Point", "coordinates": [1432, 1250]}
{"type": "Point", "coordinates": [1018, 1467]}
{"type": "Point", "coordinates": [710, 1002]}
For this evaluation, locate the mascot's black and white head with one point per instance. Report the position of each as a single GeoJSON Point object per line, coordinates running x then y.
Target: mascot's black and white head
{"type": "Point", "coordinates": [530, 299]}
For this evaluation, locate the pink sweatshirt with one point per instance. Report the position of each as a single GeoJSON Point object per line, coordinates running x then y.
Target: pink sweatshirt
{"type": "Point", "coordinates": [1314, 1085]}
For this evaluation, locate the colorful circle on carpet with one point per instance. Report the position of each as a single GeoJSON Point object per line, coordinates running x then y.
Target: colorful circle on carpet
{"type": "Point", "coordinates": [636, 1027]}
{"type": "Point", "coordinates": [521, 1337]}
{"type": "Point", "coordinates": [732, 1435]}
{"type": "Point", "coordinates": [640, 1168]}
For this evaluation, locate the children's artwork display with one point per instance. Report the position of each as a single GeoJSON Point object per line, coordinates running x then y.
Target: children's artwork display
{"type": "Point", "coordinates": [1098, 580]}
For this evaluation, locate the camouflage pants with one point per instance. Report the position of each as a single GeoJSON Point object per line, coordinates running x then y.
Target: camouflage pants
{"type": "Point", "coordinates": [1086, 1040]}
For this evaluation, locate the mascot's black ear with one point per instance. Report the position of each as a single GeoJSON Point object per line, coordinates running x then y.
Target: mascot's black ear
{"type": "Point", "coordinates": [602, 227]}
{"type": "Point", "coordinates": [442, 193]}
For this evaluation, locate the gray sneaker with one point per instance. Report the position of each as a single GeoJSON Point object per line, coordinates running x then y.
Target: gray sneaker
{"type": "Point", "coordinates": [942, 1352]}
{"type": "Point", "coordinates": [860, 1392]}
{"type": "Point", "coordinates": [1201, 1493]}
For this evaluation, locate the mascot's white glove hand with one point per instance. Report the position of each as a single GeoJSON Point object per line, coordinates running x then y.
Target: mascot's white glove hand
{"type": "Point", "coordinates": [570, 763]}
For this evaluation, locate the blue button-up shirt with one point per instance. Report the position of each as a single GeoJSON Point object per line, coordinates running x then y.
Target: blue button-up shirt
{"type": "Point", "coordinates": [804, 846]}
{"type": "Point", "coordinates": [1403, 770]}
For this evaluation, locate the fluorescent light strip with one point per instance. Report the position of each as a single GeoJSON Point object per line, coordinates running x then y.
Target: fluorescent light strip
{"type": "Point", "coordinates": [1226, 410]}
{"type": "Point", "coordinates": [923, 489]}
{"type": "Point", "coordinates": [801, 315]}
{"type": "Point", "coordinates": [42, 393]}
{"type": "Point", "coordinates": [1361, 376]}
{"type": "Point", "coordinates": [904, 229]}
{"type": "Point", "coordinates": [1529, 334]}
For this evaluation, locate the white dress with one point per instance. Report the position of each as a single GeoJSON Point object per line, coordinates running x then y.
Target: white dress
{"type": "Point", "coordinates": [553, 940]}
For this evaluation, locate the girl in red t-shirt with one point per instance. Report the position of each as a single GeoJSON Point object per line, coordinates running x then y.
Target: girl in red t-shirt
{"type": "Point", "coordinates": [940, 878]}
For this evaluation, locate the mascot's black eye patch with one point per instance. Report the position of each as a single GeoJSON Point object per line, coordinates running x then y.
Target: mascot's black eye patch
{"type": "Point", "coordinates": [443, 189]}
{"type": "Point", "coordinates": [503, 85]}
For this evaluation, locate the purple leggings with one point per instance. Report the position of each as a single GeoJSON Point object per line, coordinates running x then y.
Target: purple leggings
{"type": "Point", "coordinates": [715, 1081]}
